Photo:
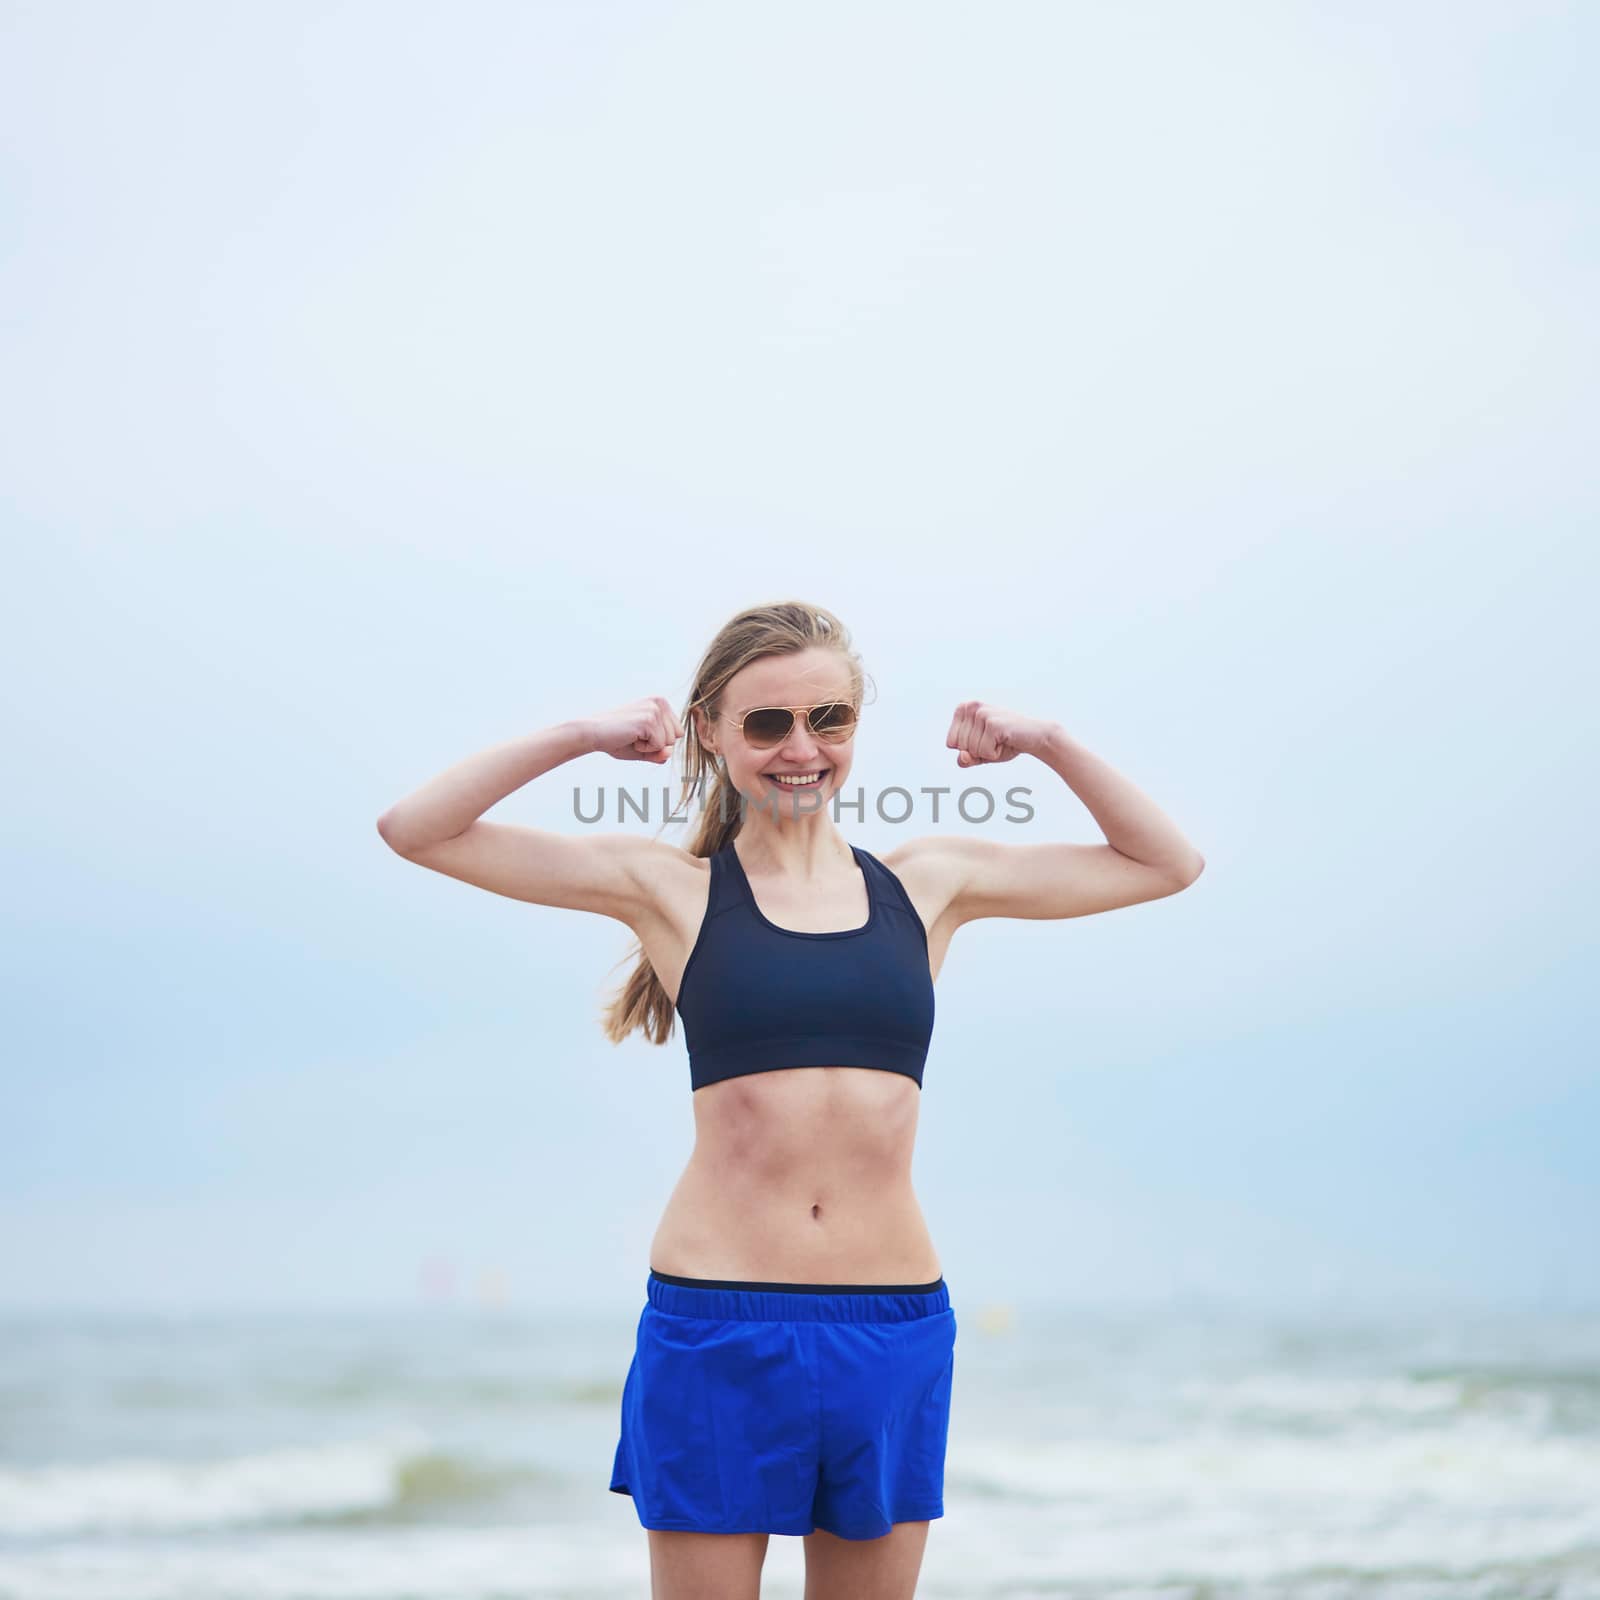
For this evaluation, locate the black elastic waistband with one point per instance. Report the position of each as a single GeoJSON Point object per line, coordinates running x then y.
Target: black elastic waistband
{"type": "Point", "coordinates": [800, 1288]}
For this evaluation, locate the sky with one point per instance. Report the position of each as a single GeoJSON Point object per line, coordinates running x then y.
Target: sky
{"type": "Point", "coordinates": [382, 382]}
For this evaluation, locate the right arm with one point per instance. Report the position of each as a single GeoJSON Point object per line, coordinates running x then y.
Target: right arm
{"type": "Point", "coordinates": [440, 826]}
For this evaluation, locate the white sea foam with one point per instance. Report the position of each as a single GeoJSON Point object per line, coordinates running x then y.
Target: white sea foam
{"type": "Point", "coordinates": [1237, 1505]}
{"type": "Point", "coordinates": [147, 1492]}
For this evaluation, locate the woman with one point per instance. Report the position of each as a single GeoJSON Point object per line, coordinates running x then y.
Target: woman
{"type": "Point", "coordinates": [793, 1362]}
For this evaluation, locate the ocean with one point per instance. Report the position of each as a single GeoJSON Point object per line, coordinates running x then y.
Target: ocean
{"type": "Point", "coordinates": [457, 1453]}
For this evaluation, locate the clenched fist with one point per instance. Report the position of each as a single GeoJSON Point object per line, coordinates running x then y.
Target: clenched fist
{"type": "Point", "coordinates": [983, 733]}
{"type": "Point", "coordinates": [643, 730]}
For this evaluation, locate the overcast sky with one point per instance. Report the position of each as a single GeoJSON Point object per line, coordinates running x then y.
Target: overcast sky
{"type": "Point", "coordinates": [385, 381]}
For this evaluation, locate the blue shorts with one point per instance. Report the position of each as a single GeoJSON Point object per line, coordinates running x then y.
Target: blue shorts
{"type": "Point", "coordinates": [783, 1408]}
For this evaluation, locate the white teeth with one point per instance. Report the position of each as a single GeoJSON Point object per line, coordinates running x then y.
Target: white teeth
{"type": "Point", "coordinates": [796, 781]}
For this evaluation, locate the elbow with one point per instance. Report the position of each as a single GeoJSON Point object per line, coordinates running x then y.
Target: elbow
{"type": "Point", "coordinates": [392, 830]}
{"type": "Point", "coordinates": [390, 834]}
{"type": "Point", "coordinates": [1186, 873]}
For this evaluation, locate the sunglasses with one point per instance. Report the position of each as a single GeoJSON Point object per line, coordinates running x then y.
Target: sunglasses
{"type": "Point", "coordinates": [767, 726]}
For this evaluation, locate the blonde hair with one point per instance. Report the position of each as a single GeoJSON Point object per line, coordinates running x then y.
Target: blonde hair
{"type": "Point", "coordinates": [783, 628]}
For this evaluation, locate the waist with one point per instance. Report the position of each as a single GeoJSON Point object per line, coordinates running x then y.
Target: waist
{"type": "Point", "coordinates": [853, 1228]}
{"type": "Point", "coordinates": [725, 1300]}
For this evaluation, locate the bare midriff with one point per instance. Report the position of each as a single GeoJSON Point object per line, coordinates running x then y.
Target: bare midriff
{"type": "Point", "coordinates": [800, 1175]}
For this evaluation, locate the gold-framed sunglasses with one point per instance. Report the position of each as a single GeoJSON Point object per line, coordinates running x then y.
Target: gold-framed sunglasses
{"type": "Point", "coordinates": [766, 726]}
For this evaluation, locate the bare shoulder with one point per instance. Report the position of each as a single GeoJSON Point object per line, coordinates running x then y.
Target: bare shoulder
{"type": "Point", "coordinates": [667, 876]}
{"type": "Point", "coordinates": [932, 868]}
{"type": "Point", "coordinates": [929, 860]}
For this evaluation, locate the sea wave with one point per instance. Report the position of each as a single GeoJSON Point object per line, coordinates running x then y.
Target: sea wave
{"type": "Point", "coordinates": [396, 1477]}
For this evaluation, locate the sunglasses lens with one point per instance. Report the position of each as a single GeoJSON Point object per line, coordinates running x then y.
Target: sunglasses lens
{"type": "Point", "coordinates": [833, 722]}
{"type": "Point", "coordinates": [763, 728]}
{"type": "Point", "coordinates": [771, 725]}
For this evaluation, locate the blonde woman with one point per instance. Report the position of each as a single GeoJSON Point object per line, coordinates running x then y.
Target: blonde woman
{"type": "Point", "coordinates": [794, 1357]}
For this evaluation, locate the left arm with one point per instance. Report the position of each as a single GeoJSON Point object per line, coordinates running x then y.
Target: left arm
{"type": "Point", "coordinates": [1145, 856]}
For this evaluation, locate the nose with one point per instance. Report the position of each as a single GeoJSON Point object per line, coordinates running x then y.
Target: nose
{"type": "Point", "coordinates": [802, 745]}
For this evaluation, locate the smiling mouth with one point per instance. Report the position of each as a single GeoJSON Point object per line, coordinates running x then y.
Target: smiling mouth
{"type": "Point", "coordinates": [787, 780]}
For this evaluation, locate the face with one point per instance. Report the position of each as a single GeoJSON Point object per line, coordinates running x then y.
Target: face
{"type": "Point", "coordinates": [811, 677]}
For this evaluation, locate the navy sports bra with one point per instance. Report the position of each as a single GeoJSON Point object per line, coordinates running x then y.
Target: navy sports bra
{"type": "Point", "coordinates": [755, 997]}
